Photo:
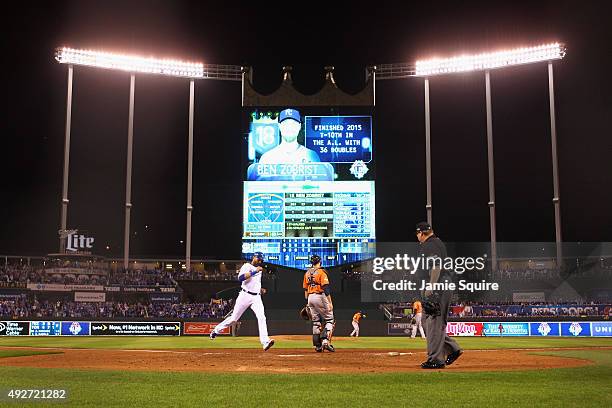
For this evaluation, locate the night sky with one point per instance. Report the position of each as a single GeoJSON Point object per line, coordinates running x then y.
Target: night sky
{"type": "Point", "coordinates": [307, 35]}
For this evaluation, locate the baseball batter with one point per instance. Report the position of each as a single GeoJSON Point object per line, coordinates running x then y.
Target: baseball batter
{"type": "Point", "coordinates": [250, 296]}
{"type": "Point", "coordinates": [356, 318]}
{"type": "Point", "coordinates": [417, 307]}
{"type": "Point", "coordinates": [317, 293]}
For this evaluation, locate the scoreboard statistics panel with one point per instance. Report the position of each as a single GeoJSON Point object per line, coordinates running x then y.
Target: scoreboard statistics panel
{"type": "Point", "coordinates": [309, 185]}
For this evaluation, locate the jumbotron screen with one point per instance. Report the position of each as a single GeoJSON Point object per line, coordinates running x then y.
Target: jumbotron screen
{"type": "Point", "coordinates": [309, 185]}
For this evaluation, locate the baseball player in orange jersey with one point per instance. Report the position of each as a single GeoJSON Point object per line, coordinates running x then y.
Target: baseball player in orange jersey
{"type": "Point", "coordinates": [356, 318]}
{"type": "Point", "coordinates": [317, 293]}
{"type": "Point", "coordinates": [417, 309]}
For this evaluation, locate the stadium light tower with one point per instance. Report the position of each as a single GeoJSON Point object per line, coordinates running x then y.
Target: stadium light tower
{"type": "Point", "coordinates": [133, 65]}
{"type": "Point", "coordinates": [486, 62]}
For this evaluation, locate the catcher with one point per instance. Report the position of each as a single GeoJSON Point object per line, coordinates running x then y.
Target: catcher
{"type": "Point", "coordinates": [319, 309]}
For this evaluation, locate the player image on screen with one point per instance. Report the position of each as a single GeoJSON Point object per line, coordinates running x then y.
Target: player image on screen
{"type": "Point", "coordinates": [309, 185]}
{"type": "Point", "coordinates": [289, 151]}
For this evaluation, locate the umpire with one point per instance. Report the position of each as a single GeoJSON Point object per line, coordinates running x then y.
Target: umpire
{"type": "Point", "coordinates": [441, 349]}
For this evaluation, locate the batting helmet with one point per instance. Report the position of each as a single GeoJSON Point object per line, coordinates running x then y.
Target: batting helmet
{"type": "Point", "coordinates": [259, 255]}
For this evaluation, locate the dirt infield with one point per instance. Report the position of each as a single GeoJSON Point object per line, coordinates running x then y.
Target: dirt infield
{"type": "Point", "coordinates": [284, 360]}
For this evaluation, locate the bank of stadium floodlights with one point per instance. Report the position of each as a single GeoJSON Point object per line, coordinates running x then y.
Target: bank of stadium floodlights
{"type": "Point", "coordinates": [133, 65]}
{"type": "Point", "coordinates": [484, 62]}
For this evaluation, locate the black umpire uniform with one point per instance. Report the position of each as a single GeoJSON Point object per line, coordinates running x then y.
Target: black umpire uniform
{"type": "Point", "coordinates": [441, 349]}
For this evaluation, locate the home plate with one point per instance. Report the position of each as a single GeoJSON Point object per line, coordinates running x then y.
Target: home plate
{"type": "Point", "coordinates": [395, 354]}
{"type": "Point", "coordinates": [291, 355]}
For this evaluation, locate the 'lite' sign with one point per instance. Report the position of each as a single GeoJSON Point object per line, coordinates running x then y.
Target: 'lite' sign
{"type": "Point", "coordinates": [75, 242]}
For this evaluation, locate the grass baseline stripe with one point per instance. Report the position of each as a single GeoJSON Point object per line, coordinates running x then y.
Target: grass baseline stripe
{"type": "Point", "coordinates": [582, 386]}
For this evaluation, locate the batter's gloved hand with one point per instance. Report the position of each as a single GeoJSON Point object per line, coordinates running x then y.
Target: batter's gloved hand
{"type": "Point", "coordinates": [305, 313]}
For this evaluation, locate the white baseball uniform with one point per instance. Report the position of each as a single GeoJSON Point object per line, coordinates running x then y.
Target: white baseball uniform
{"type": "Point", "coordinates": [418, 318]}
{"type": "Point", "coordinates": [289, 153]}
{"type": "Point", "coordinates": [356, 317]}
{"type": "Point", "coordinates": [249, 297]}
{"type": "Point", "coordinates": [355, 331]}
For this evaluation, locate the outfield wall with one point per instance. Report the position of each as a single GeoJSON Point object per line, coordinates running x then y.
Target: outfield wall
{"type": "Point", "coordinates": [545, 328]}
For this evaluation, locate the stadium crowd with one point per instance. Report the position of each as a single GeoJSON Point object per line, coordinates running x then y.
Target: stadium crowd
{"type": "Point", "coordinates": [21, 307]}
{"type": "Point", "coordinates": [28, 274]}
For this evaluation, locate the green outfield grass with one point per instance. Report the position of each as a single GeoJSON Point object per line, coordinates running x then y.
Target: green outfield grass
{"type": "Point", "coordinates": [152, 343]}
{"type": "Point", "coordinates": [22, 353]}
{"type": "Point", "coordinates": [582, 386]}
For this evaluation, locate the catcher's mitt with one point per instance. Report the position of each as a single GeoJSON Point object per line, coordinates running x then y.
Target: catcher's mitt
{"type": "Point", "coordinates": [431, 305]}
{"type": "Point", "coordinates": [305, 313]}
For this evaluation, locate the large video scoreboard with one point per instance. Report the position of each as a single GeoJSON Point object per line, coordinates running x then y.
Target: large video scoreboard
{"type": "Point", "coordinates": [309, 185]}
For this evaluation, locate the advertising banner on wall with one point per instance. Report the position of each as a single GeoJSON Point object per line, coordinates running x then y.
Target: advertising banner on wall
{"type": "Point", "coordinates": [135, 328]}
{"type": "Point", "coordinates": [14, 328]}
{"type": "Point", "coordinates": [464, 329]}
{"type": "Point", "coordinates": [56, 287]}
{"type": "Point", "coordinates": [544, 329]}
{"type": "Point", "coordinates": [11, 295]}
{"type": "Point", "coordinates": [165, 297]}
{"type": "Point", "coordinates": [566, 310]}
{"type": "Point", "coordinates": [575, 329]}
{"type": "Point", "coordinates": [13, 285]}
{"type": "Point", "coordinates": [399, 329]}
{"type": "Point", "coordinates": [75, 271]}
{"type": "Point", "coordinates": [201, 328]}
{"type": "Point", "coordinates": [89, 297]}
{"type": "Point", "coordinates": [45, 328]}
{"type": "Point", "coordinates": [501, 329]}
{"type": "Point", "coordinates": [75, 328]}
{"type": "Point", "coordinates": [601, 329]}
{"type": "Point", "coordinates": [541, 310]}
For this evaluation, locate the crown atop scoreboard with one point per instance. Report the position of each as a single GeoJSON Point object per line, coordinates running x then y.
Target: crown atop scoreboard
{"type": "Point", "coordinates": [328, 95]}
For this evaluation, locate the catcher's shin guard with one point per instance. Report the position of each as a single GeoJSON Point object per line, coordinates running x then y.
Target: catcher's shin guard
{"type": "Point", "coordinates": [316, 334]}
{"type": "Point", "coordinates": [328, 330]}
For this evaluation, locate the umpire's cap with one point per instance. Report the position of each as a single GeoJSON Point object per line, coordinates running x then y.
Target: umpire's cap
{"type": "Point", "coordinates": [315, 259]}
{"type": "Point", "coordinates": [423, 227]}
{"type": "Point", "coordinates": [259, 255]}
